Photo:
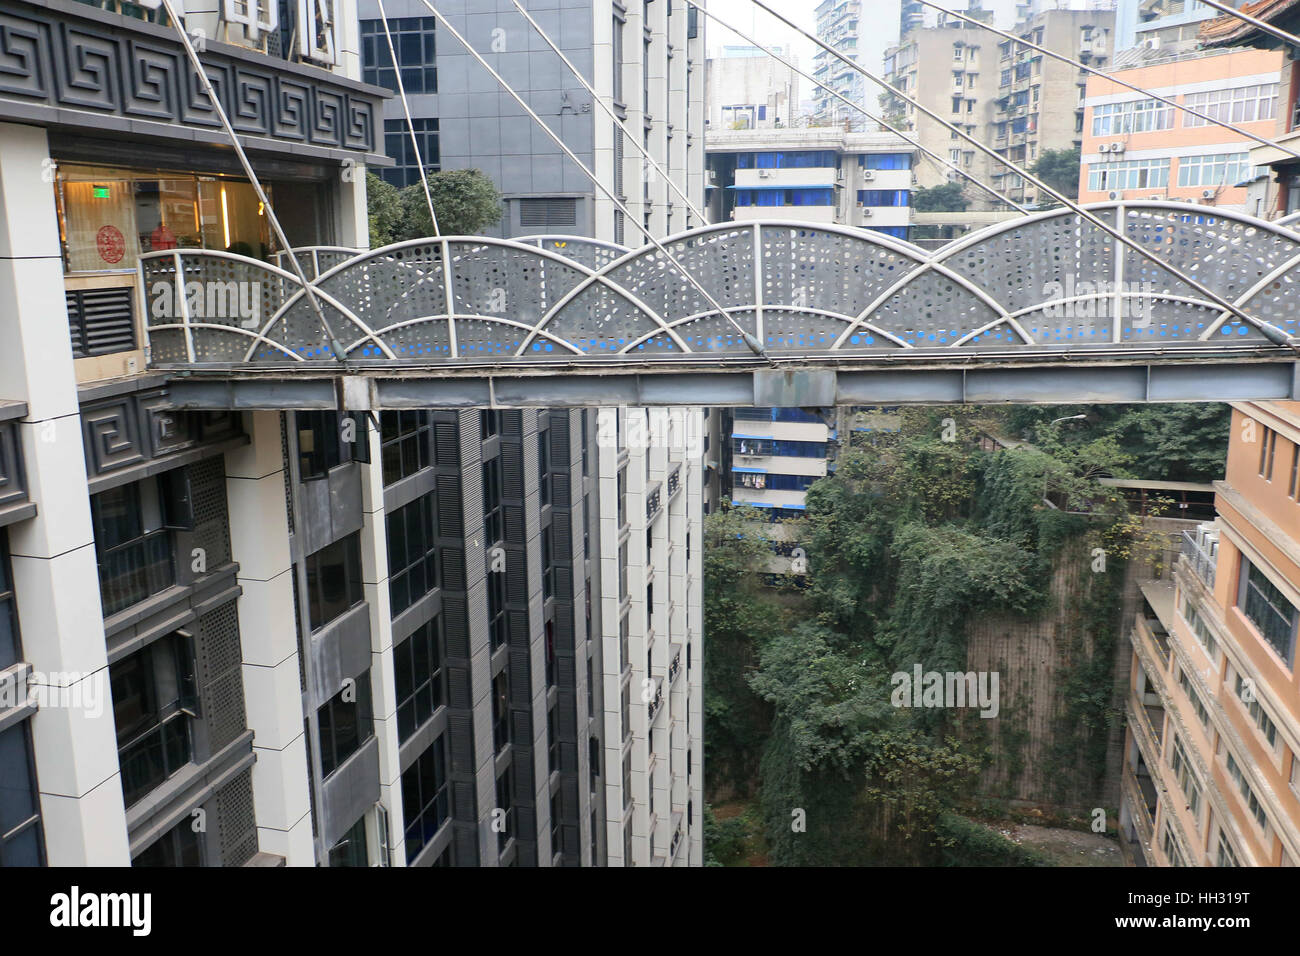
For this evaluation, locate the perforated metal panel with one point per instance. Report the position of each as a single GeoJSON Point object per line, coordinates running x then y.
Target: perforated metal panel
{"type": "Point", "coordinates": [1049, 280]}
{"type": "Point", "coordinates": [211, 518]}
{"type": "Point", "coordinates": [236, 822]}
{"type": "Point", "coordinates": [221, 687]}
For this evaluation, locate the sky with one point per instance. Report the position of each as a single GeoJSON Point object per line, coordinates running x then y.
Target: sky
{"type": "Point", "coordinates": [770, 32]}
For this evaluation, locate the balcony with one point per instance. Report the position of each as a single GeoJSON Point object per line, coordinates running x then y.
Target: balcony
{"type": "Point", "coordinates": [1201, 553]}
{"type": "Point", "coordinates": [675, 667]}
{"type": "Point", "coordinates": [653, 502]}
{"type": "Point", "coordinates": [136, 570]}
{"type": "Point", "coordinates": [674, 481]}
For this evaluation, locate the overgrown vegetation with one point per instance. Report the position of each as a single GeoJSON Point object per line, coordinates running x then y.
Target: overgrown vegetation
{"type": "Point", "coordinates": [912, 538]}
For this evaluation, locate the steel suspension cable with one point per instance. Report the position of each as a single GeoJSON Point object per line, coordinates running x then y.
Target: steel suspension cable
{"type": "Point", "coordinates": [754, 345]}
{"type": "Point", "coordinates": [410, 123]}
{"type": "Point", "coordinates": [336, 349]}
{"type": "Point", "coordinates": [1262, 140]}
{"type": "Point", "coordinates": [861, 109]}
{"type": "Point", "coordinates": [1270, 331]}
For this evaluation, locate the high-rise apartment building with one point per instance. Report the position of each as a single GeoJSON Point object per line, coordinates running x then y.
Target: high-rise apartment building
{"type": "Point", "coordinates": [1212, 760]}
{"type": "Point", "coordinates": [839, 25]}
{"type": "Point", "coordinates": [461, 637]}
{"type": "Point", "coordinates": [1039, 103]}
{"type": "Point", "coordinates": [948, 68]}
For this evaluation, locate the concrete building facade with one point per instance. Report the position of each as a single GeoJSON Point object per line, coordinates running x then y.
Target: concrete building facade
{"type": "Point", "coordinates": [839, 25]}
{"type": "Point", "coordinates": [748, 89]}
{"type": "Point", "coordinates": [1137, 147]}
{"type": "Point", "coordinates": [1211, 774]}
{"type": "Point", "coordinates": [812, 175]}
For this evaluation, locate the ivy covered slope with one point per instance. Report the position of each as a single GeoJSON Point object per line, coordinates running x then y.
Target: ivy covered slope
{"type": "Point", "coordinates": [911, 539]}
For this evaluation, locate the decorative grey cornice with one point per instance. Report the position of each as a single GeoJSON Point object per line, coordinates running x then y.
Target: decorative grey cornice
{"type": "Point", "coordinates": [64, 63]}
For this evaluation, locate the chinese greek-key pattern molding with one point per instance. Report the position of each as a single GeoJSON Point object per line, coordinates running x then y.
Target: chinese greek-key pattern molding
{"type": "Point", "coordinates": [1046, 283]}
{"type": "Point", "coordinates": [138, 428]}
{"type": "Point", "coordinates": [88, 65]}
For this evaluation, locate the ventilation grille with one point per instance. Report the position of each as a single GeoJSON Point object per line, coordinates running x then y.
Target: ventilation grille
{"type": "Point", "coordinates": [284, 456]}
{"type": "Point", "coordinates": [548, 213]}
{"type": "Point", "coordinates": [236, 823]}
{"type": "Point", "coordinates": [221, 683]}
{"type": "Point", "coordinates": [211, 522]}
{"type": "Point", "coordinates": [101, 321]}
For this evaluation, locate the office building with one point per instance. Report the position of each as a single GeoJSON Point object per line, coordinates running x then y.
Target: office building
{"type": "Point", "coordinates": [1135, 147]}
{"type": "Point", "coordinates": [1211, 775]}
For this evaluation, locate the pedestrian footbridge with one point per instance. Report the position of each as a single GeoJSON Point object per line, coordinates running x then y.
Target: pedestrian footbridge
{"type": "Point", "coordinates": [1044, 308]}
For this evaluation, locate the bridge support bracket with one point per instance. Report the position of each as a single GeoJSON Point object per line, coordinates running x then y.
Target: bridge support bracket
{"type": "Point", "coordinates": [795, 388]}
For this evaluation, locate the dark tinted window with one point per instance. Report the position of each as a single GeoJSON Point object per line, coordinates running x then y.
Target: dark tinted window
{"type": "Point", "coordinates": [334, 580]}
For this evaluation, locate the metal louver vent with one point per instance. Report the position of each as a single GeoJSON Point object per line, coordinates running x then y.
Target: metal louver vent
{"type": "Point", "coordinates": [548, 213]}
{"type": "Point", "coordinates": [101, 321]}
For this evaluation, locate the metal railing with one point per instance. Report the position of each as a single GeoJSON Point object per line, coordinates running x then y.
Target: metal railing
{"type": "Point", "coordinates": [1202, 561]}
{"type": "Point", "coordinates": [138, 569]}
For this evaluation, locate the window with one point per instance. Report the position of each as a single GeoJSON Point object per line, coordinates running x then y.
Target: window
{"type": "Point", "coordinates": [108, 216]}
{"type": "Point", "coordinates": [1198, 705]}
{"type": "Point", "coordinates": [498, 623]}
{"type": "Point", "coordinates": [792, 159]}
{"type": "Point", "coordinates": [1267, 452]}
{"type": "Point", "coordinates": [1138, 116]}
{"type": "Point", "coordinates": [622, 497]}
{"type": "Point", "coordinates": [334, 580]}
{"type": "Point", "coordinates": [1173, 852]}
{"type": "Point", "coordinates": [132, 541]}
{"type": "Point", "coordinates": [544, 465]}
{"type": "Point", "coordinates": [179, 846]}
{"type": "Point", "coordinates": [10, 647]}
{"type": "Point", "coordinates": [885, 161]}
{"type": "Point", "coordinates": [742, 445]}
{"type": "Point", "coordinates": [627, 780]}
{"type": "Point", "coordinates": [346, 721]}
{"type": "Point", "coordinates": [1294, 484]}
{"type": "Point", "coordinates": [552, 741]}
{"type": "Point", "coordinates": [548, 566]}
{"type": "Point", "coordinates": [412, 555]}
{"type": "Point", "coordinates": [1265, 607]}
{"type": "Point", "coordinates": [1185, 776]}
{"type": "Point", "coordinates": [1246, 694]}
{"type": "Point", "coordinates": [419, 676]}
{"type": "Point", "coordinates": [556, 844]}
{"type": "Point", "coordinates": [1247, 793]}
{"type": "Point", "coordinates": [552, 662]}
{"type": "Point", "coordinates": [1200, 629]}
{"type": "Point", "coordinates": [777, 196]}
{"type": "Point", "coordinates": [415, 46]}
{"type": "Point", "coordinates": [884, 197]}
{"type": "Point", "coordinates": [405, 170]}
{"type": "Point", "coordinates": [1130, 174]}
{"type": "Point", "coordinates": [1227, 856]}
{"type": "Point", "coordinates": [501, 710]}
{"type": "Point", "coordinates": [1217, 169]}
{"type": "Point", "coordinates": [153, 699]}
{"type": "Point", "coordinates": [426, 798]}
{"type": "Point", "coordinates": [505, 803]}
{"type": "Point", "coordinates": [320, 444]}
{"type": "Point", "coordinates": [622, 572]}
{"type": "Point", "coordinates": [20, 814]}
{"type": "Point", "coordinates": [405, 443]}
{"type": "Point", "coordinates": [351, 849]}
{"type": "Point", "coordinates": [493, 527]}
{"type": "Point", "coordinates": [1245, 104]}
{"type": "Point", "coordinates": [490, 423]}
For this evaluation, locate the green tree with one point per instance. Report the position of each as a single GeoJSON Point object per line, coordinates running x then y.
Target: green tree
{"type": "Point", "coordinates": [384, 210]}
{"type": "Point", "coordinates": [1059, 168]}
{"type": "Point", "coordinates": [466, 202]}
{"type": "Point", "coordinates": [948, 197]}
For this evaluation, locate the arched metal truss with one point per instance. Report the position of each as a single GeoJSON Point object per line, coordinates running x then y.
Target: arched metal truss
{"type": "Point", "coordinates": [1048, 282]}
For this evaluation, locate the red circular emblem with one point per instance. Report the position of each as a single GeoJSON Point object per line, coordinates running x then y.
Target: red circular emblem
{"type": "Point", "coordinates": [110, 244]}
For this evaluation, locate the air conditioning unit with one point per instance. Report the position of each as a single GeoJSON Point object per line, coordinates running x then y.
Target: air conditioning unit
{"type": "Point", "coordinates": [1114, 194]}
{"type": "Point", "coordinates": [867, 213]}
{"type": "Point", "coordinates": [1103, 147]}
{"type": "Point", "coordinates": [765, 174]}
{"type": "Point", "coordinates": [868, 175]}
{"type": "Point", "coordinates": [1208, 193]}
{"type": "Point", "coordinates": [1117, 147]}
